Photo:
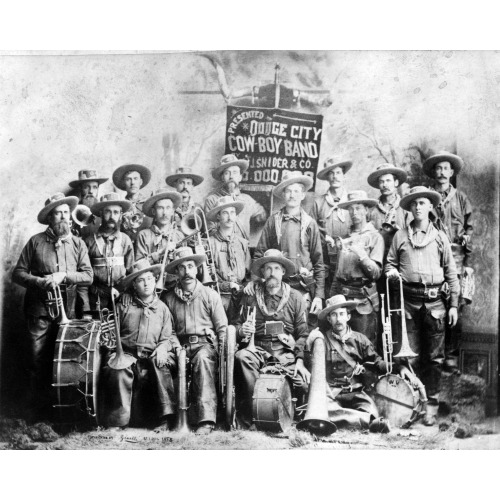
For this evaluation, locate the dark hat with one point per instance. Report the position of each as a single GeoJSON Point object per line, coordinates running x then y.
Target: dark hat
{"type": "Point", "coordinates": [87, 176]}
{"type": "Point", "coordinates": [139, 267]}
{"type": "Point", "coordinates": [386, 168]}
{"type": "Point", "coordinates": [456, 162]}
{"type": "Point", "coordinates": [181, 173]}
{"type": "Point", "coordinates": [357, 197]}
{"type": "Point", "coordinates": [336, 302]}
{"type": "Point", "coordinates": [292, 177]}
{"type": "Point", "coordinates": [273, 255]}
{"type": "Point", "coordinates": [222, 203]}
{"type": "Point", "coordinates": [182, 254]}
{"type": "Point", "coordinates": [161, 194]}
{"type": "Point", "coordinates": [332, 163]}
{"type": "Point", "coordinates": [419, 192]}
{"type": "Point", "coordinates": [110, 199]}
{"type": "Point", "coordinates": [120, 172]}
{"type": "Point", "coordinates": [54, 201]}
{"type": "Point", "coordinates": [229, 161]}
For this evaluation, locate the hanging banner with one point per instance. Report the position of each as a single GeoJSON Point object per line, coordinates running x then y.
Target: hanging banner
{"type": "Point", "coordinates": [273, 140]}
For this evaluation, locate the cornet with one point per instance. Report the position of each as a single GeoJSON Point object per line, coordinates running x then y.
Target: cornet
{"type": "Point", "coordinates": [81, 215]}
{"type": "Point", "coordinates": [55, 305]}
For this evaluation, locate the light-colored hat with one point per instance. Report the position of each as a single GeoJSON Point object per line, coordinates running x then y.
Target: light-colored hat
{"type": "Point", "coordinates": [292, 177]}
{"type": "Point", "coordinates": [110, 199]}
{"type": "Point", "coordinates": [87, 176]}
{"type": "Point", "coordinates": [383, 169]}
{"type": "Point", "coordinates": [336, 302]}
{"type": "Point", "coordinates": [229, 161]}
{"type": "Point", "coordinates": [357, 197]}
{"type": "Point", "coordinates": [139, 267]}
{"type": "Point", "coordinates": [419, 192]}
{"type": "Point", "coordinates": [181, 173]}
{"type": "Point", "coordinates": [54, 201]}
{"type": "Point", "coordinates": [120, 172]}
{"type": "Point", "coordinates": [273, 255]}
{"type": "Point", "coordinates": [222, 203]}
{"type": "Point", "coordinates": [182, 254]}
{"type": "Point", "coordinates": [332, 163]}
{"type": "Point", "coordinates": [456, 162]}
{"type": "Point", "coordinates": [161, 194]}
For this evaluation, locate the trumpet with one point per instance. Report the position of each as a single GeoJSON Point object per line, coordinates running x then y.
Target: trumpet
{"type": "Point", "coordinates": [251, 317]}
{"type": "Point", "coordinates": [55, 305]}
{"type": "Point", "coordinates": [108, 332]}
{"type": "Point", "coordinates": [81, 215]}
{"type": "Point", "coordinates": [160, 284]}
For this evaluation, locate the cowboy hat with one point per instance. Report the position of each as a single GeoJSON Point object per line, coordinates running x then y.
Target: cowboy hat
{"type": "Point", "coordinates": [87, 176]}
{"type": "Point", "coordinates": [419, 192]}
{"type": "Point", "coordinates": [386, 168]}
{"type": "Point", "coordinates": [181, 173]}
{"type": "Point", "coordinates": [336, 302]}
{"type": "Point", "coordinates": [110, 199]}
{"type": "Point", "coordinates": [182, 254]}
{"type": "Point", "coordinates": [292, 177]}
{"type": "Point", "coordinates": [456, 162]}
{"type": "Point", "coordinates": [229, 161]}
{"type": "Point", "coordinates": [54, 201]}
{"type": "Point", "coordinates": [273, 255]}
{"type": "Point", "coordinates": [161, 194]}
{"type": "Point", "coordinates": [332, 163]}
{"type": "Point", "coordinates": [357, 197]}
{"type": "Point", "coordinates": [120, 172]}
{"type": "Point", "coordinates": [222, 203]}
{"type": "Point", "coordinates": [139, 267]}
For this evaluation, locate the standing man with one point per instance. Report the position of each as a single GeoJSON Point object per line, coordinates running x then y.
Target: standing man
{"type": "Point", "coordinates": [88, 183]}
{"type": "Point", "coordinates": [230, 172]}
{"type": "Point", "coordinates": [422, 256]}
{"type": "Point", "coordinates": [142, 393]}
{"type": "Point", "coordinates": [292, 231]}
{"type": "Point", "coordinates": [184, 181]}
{"type": "Point", "coordinates": [360, 265]}
{"type": "Point", "coordinates": [199, 321]}
{"type": "Point", "coordinates": [111, 251]}
{"type": "Point", "coordinates": [52, 258]}
{"type": "Point", "coordinates": [132, 178]}
{"type": "Point", "coordinates": [332, 221]}
{"type": "Point", "coordinates": [455, 214]}
{"type": "Point", "coordinates": [230, 253]}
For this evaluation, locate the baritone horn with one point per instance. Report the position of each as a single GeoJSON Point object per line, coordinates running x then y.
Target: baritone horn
{"type": "Point", "coordinates": [55, 305]}
{"type": "Point", "coordinates": [81, 215]}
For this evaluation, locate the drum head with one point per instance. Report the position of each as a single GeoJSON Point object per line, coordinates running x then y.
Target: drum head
{"type": "Point", "coordinates": [395, 399]}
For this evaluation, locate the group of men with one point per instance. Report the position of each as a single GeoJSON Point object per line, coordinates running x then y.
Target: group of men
{"type": "Point", "coordinates": [341, 250]}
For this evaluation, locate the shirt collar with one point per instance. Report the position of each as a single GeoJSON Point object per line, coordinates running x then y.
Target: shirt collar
{"type": "Point", "coordinates": [345, 337]}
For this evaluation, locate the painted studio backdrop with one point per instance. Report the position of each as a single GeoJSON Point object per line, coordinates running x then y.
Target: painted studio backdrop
{"type": "Point", "coordinates": [63, 113]}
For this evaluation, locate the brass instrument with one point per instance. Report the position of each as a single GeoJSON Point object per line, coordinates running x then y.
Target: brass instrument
{"type": "Point", "coordinates": [387, 343]}
{"type": "Point", "coordinates": [251, 317]}
{"type": "Point", "coordinates": [81, 215]}
{"type": "Point", "coordinates": [160, 284]}
{"type": "Point", "coordinates": [227, 350]}
{"type": "Point", "coordinates": [55, 305]}
{"type": "Point", "coordinates": [182, 419]}
{"type": "Point", "coordinates": [108, 332]}
{"type": "Point", "coordinates": [316, 419]}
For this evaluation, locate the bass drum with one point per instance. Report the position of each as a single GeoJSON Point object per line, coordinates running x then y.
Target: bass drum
{"type": "Point", "coordinates": [396, 400]}
{"type": "Point", "coordinates": [273, 407]}
{"type": "Point", "coordinates": [75, 374]}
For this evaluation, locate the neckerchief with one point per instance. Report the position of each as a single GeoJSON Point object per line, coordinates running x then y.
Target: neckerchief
{"type": "Point", "coordinates": [159, 234]}
{"type": "Point", "coordinates": [147, 308]}
{"type": "Point", "coordinates": [445, 199]}
{"type": "Point", "coordinates": [390, 214]}
{"type": "Point", "coordinates": [259, 295]}
{"type": "Point", "coordinates": [334, 202]}
{"type": "Point", "coordinates": [305, 220]}
{"type": "Point", "coordinates": [344, 338]}
{"type": "Point", "coordinates": [114, 238]}
{"type": "Point", "coordinates": [229, 241]}
{"type": "Point", "coordinates": [430, 235]}
{"type": "Point", "coordinates": [185, 296]}
{"type": "Point", "coordinates": [56, 239]}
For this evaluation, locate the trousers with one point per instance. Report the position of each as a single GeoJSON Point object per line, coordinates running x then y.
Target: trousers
{"type": "Point", "coordinates": [351, 409]}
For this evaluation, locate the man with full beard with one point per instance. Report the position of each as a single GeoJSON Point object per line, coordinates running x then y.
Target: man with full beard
{"type": "Point", "coordinates": [184, 181]}
{"type": "Point", "coordinates": [111, 251]}
{"type": "Point", "coordinates": [52, 258]}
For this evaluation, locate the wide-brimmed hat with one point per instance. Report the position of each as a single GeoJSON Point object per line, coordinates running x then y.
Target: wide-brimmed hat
{"type": "Point", "coordinates": [222, 203]}
{"type": "Point", "coordinates": [456, 162]}
{"type": "Point", "coordinates": [332, 163]}
{"type": "Point", "coordinates": [229, 161]}
{"type": "Point", "coordinates": [273, 255]}
{"type": "Point", "coordinates": [110, 199]}
{"type": "Point", "coordinates": [139, 267]}
{"type": "Point", "coordinates": [336, 302]}
{"type": "Point", "coordinates": [292, 177]}
{"type": "Point", "coordinates": [181, 173]}
{"type": "Point", "coordinates": [358, 196]}
{"type": "Point", "coordinates": [386, 168]}
{"type": "Point", "coordinates": [120, 172]}
{"type": "Point", "coordinates": [419, 192]}
{"type": "Point", "coordinates": [54, 201]}
{"type": "Point", "coordinates": [182, 254]}
{"type": "Point", "coordinates": [87, 176]}
{"type": "Point", "coordinates": [161, 194]}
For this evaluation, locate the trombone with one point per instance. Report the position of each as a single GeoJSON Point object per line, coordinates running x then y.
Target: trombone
{"type": "Point", "coordinates": [55, 305]}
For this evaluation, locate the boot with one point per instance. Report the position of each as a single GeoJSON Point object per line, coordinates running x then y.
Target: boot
{"type": "Point", "coordinates": [380, 425]}
{"type": "Point", "coordinates": [430, 417]}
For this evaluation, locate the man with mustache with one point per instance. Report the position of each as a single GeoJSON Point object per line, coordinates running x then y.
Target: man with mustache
{"type": "Point", "coordinates": [230, 172]}
{"type": "Point", "coordinates": [199, 322]}
{"type": "Point", "coordinates": [184, 181]}
{"type": "Point", "coordinates": [111, 251]}
{"type": "Point", "coordinates": [274, 301]}
{"type": "Point", "coordinates": [421, 254]}
{"type": "Point", "coordinates": [53, 257]}
{"type": "Point", "coordinates": [455, 214]}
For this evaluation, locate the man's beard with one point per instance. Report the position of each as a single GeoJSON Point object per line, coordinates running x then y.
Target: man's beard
{"type": "Point", "coordinates": [186, 195]}
{"type": "Point", "coordinates": [110, 224]}
{"type": "Point", "coordinates": [272, 283]}
{"type": "Point", "coordinates": [61, 229]}
{"type": "Point", "coordinates": [232, 186]}
{"type": "Point", "coordinates": [89, 200]}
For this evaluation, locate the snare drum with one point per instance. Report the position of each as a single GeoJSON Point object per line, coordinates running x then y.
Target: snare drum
{"type": "Point", "coordinates": [75, 374]}
{"type": "Point", "coordinates": [273, 407]}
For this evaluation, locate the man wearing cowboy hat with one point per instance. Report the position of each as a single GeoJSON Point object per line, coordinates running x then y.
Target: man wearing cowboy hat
{"type": "Point", "coordinates": [332, 221]}
{"type": "Point", "coordinates": [199, 321]}
{"type": "Point", "coordinates": [87, 185]}
{"type": "Point", "coordinates": [111, 251]}
{"type": "Point", "coordinates": [230, 252]}
{"type": "Point", "coordinates": [455, 213]}
{"type": "Point", "coordinates": [184, 181]}
{"type": "Point", "coordinates": [360, 264]}
{"type": "Point", "coordinates": [132, 178]}
{"type": "Point", "coordinates": [346, 351]}
{"type": "Point", "coordinates": [230, 172]}
{"type": "Point", "coordinates": [422, 256]}
{"type": "Point", "coordinates": [273, 301]}
{"type": "Point", "coordinates": [295, 233]}
{"type": "Point", "coordinates": [142, 393]}
{"type": "Point", "coordinates": [52, 258]}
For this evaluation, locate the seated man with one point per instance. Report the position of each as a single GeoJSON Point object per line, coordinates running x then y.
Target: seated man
{"type": "Point", "coordinates": [346, 351]}
{"type": "Point", "coordinates": [142, 393]}
{"type": "Point", "coordinates": [199, 321]}
{"type": "Point", "coordinates": [273, 301]}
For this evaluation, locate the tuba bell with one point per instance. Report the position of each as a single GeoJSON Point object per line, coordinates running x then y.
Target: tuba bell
{"type": "Point", "coordinates": [191, 224]}
{"type": "Point", "coordinates": [81, 215]}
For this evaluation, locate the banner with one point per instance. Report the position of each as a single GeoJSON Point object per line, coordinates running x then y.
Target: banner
{"type": "Point", "coordinates": [273, 140]}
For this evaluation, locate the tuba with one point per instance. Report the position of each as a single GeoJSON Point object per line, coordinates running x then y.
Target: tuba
{"type": "Point", "coordinates": [81, 215]}
{"type": "Point", "coordinates": [55, 305]}
{"type": "Point", "coordinates": [182, 418]}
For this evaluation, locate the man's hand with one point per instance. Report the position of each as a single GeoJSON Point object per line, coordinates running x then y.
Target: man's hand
{"type": "Point", "coordinates": [161, 356]}
{"type": "Point", "coordinates": [249, 289]}
{"type": "Point", "coordinates": [358, 370]}
{"type": "Point", "coordinates": [315, 334]}
{"type": "Point", "coordinates": [358, 249]}
{"type": "Point", "coordinates": [247, 329]}
{"type": "Point", "coordinates": [452, 316]}
{"type": "Point", "coordinates": [126, 299]}
{"type": "Point", "coordinates": [465, 239]}
{"type": "Point", "coordinates": [408, 375]}
{"type": "Point", "coordinates": [316, 306]}
{"type": "Point", "coordinates": [234, 286]}
{"type": "Point", "coordinates": [329, 240]}
{"type": "Point", "coordinates": [301, 374]}
{"type": "Point", "coordinates": [58, 278]}
{"type": "Point", "coordinates": [393, 274]}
